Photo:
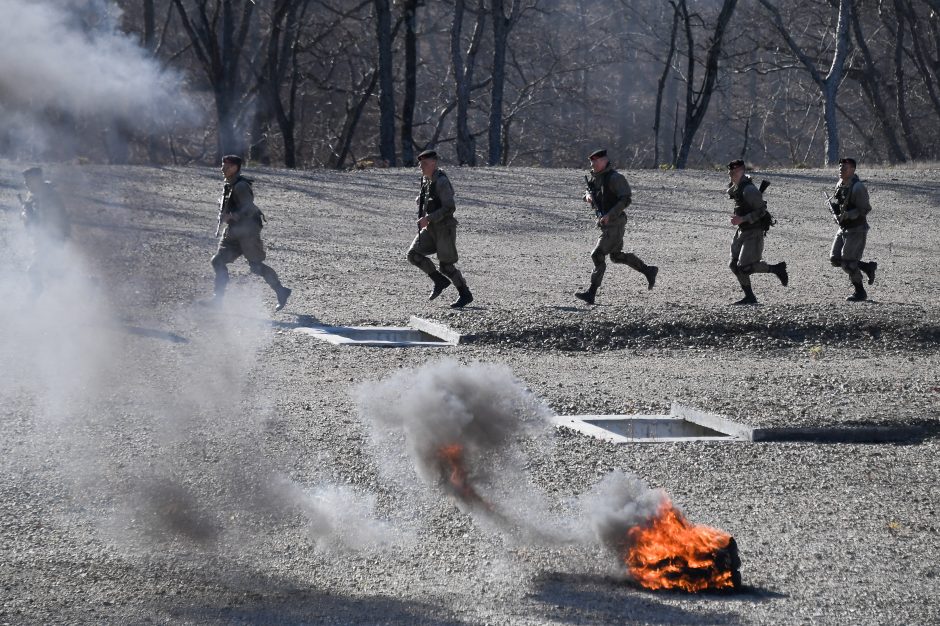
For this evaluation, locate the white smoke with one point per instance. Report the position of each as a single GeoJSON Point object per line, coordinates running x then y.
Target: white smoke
{"type": "Point", "coordinates": [618, 503]}
{"type": "Point", "coordinates": [485, 411]}
{"type": "Point", "coordinates": [66, 60]}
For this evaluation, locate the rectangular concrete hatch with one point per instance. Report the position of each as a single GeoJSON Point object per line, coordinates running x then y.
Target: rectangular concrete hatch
{"type": "Point", "coordinates": [419, 333]}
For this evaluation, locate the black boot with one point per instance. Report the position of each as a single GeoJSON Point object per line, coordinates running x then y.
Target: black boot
{"type": "Point", "coordinates": [650, 273]}
{"type": "Point", "coordinates": [465, 298]}
{"type": "Point", "coordinates": [869, 269]}
{"type": "Point", "coordinates": [440, 284]}
{"type": "Point", "coordinates": [859, 295]}
{"type": "Point", "coordinates": [283, 293]}
{"type": "Point", "coordinates": [748, 297]}
{"type": "Point", "coordinates": [780, 270]}
{"type": "Point", "coordinates": [587, 296]}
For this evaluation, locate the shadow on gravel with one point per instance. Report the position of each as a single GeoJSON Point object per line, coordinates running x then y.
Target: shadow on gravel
{"type": "Point", "coordinates": [294, 606]}
{"type": "Point", "coordinates": [764, 334]}
{"type": "Point", "coordinates": [154, 334]}
{"type": "Point", "coordinates": [595, 599]}
{"type": "Point", "coordinates": [301, 321]}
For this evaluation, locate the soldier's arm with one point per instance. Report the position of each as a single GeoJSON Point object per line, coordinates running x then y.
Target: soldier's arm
{"type": "Point", "coordinates": [445, 193]}
{"type": "Point", "coordinates": [621, 190]}
{"type": "Point", "coordinates": [756, 204]}
{"type": "Point", "coordinates": [858, 199]}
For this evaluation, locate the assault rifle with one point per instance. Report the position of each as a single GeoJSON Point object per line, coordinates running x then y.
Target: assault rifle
{"type": "Point", "coordinates": [589, 189]}
{"type": "Point", "coordinates": [833, 208]}
{"type": "Point", "coordinates": [764, 184]}
{"type": "Point", "coordinates": [223, 204]}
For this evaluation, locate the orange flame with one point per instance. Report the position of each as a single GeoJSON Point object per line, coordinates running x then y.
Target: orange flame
{"type": "Point", "coordinates": [454, 472]}
{"type": "Point", "coordinates": [672, 553]}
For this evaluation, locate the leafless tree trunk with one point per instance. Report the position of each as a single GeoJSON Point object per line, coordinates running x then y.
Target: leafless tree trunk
{"type": "Point", "coordinates": [696, 101]}
{"type": "Point", "coordinates": [661, 84]}
{"type": "Point", "coordinates": [463, 77]}
{"type": "Point", "coordinates": [383, 25]}
{"type": "Point", "coordinates": [219, 51]}
{"type": "Point", "coordinates": [502, 25]}
{"type": "Point", "coordinates": [409, 16]}
{"type": "Point", "coordinates": [829, 84]}
{"type": "Point", "coordinates": [870, 79]}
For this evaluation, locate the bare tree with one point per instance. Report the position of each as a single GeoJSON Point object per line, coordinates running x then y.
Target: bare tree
{"type": "Point", "coordinates": [383, 25]}
{"type": "Point", "coordinates": [218, 31]}
{"type": "Point", "coordinates": [697, 100]}
{"type": "Point", "coordinates": [828, 84]}
{"type": "Point", "coordinates": [463, 76]}
{"type": "Point", "coordinates": [502, 25]}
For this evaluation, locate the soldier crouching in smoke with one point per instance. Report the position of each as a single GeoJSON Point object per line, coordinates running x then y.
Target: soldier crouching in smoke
{"type": "Point", "coordinates": [48, 225]}
{"type": "Point", "coordinates": [242, 236]}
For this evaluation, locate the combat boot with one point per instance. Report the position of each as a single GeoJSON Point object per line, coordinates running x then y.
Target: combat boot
{"type": "Point", "coordinates": [465, 298]}
{"type": "Point", "coordinates": [869, 269]}
{"type": "Point", "coordinates": [748, 298]}
{"type": "Point", "coordinates": [283, 293]}
{"type": "Point", "coordinates": [587, 296]}
{"type": "Point", "coordinates": [650, 273]}
{"type": "Point", "coordinates": [859, 295]}
{"type": "Point", "coordinates": [440, 284]}
{"type": "Point", "coordinates": [780, 270]}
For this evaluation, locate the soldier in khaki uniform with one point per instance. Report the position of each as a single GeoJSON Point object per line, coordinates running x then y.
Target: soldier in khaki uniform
{"type": "Point", "coordinates": [751, 218]}
{"type": "Point", "coordinates": [47, 223]}
{"type": "Point", "coordinates": [609, 193]}
{"type": "Point", "coordinates": [437, 231]}
{"type": "Point", "coordinates": [850, 205]}
{"type": "Point", "coordinates": [242, 235]}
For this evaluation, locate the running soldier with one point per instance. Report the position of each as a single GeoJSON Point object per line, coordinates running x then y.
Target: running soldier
{"type": "Point", "coordinates": [753, 220]}
{"type": "Point", "coordinates": [242, 235]}
{"type": "Point", "coordinates": [850, 206]}
{"type": "Point", "coordinates": [609, 193]}
{"type": "Point", "coordinates": [47, 224]}
{"type": "Point", "coordinates": [437, 231]}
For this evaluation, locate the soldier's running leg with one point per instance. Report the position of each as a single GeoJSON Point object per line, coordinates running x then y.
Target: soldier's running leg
{"type": "Point", "coordinates": [853, 246]}
{"type": "Point", "coordinates": [422, 246]}
{"type": "Point", "coordinates": [610, 237]}
{"type": "Point", "coordinates": [740, 251]}
{"type": "Point", "coordinates": [447, 256]}
{"type": "Point", "coordinates": [229, 250]}
{"type": "Point", "coordinates": [633, 261]}
{"type": "Point", "coordinates": [253, 249]}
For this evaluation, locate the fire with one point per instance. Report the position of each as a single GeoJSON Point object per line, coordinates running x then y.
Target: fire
{"type": "Point", "coordinates": [454, 474]}
{"type": "Point", "coordinates": [672, 553]}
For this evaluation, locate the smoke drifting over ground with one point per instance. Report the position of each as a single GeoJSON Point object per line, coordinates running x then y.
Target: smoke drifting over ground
{"type": "Point", "coordinates": [618, 503]}
{"type": "Point", "coordinates": [158, 437]}
{"type": "Point", "coordinates": [64, 63]}
{"type": "Point", "coordinates": [461, 426]}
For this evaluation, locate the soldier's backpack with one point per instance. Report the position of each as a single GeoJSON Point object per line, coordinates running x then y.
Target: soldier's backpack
{"type": "Point", "coordinates": [767, 220]}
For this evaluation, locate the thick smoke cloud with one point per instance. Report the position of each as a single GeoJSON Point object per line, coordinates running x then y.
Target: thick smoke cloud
{"type": "Point", "coordinates": [618, 503]}
{"type": "Point", "coordinates": [66, 61]}
{"type": "Point", "coordinates": [462, 426]}
{"type": "Point", "coordinates": [483, 411]}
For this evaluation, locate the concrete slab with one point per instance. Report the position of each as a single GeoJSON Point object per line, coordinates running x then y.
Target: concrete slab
{"type": "Point", "coordinates": [419, 333]}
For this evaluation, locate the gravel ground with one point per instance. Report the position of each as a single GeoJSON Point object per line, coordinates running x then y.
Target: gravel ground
{"type": "Point", "coordinates": [138, 426]}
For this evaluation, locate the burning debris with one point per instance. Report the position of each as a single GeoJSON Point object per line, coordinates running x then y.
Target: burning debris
{"type": "Point", "coordinates": [671, 553]}
{"type": "Point", "coordinates": [660, 548]}
{"type": "Point", "coordinates": [460, 425]}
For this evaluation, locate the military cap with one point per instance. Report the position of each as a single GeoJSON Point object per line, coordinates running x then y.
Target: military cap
{"type": "Point", "coordinates": [736, 163]}
{"type": "Point", "coordinates": [602, 152]}
{"type": "Point", "coordinates": [848, 160]}
{"type": "Point", "coordinates": [32, 171]}
{"type": "Point", "coordinates": [234, 159]}
{"type": "Point", "coordinates": [427, 154]}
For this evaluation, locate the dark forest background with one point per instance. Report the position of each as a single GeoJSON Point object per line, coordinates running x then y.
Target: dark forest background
{"type": "Point", "coordinates": [660, 83]}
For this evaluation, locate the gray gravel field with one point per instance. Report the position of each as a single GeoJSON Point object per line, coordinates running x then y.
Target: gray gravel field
{"type": "Point", "coordinates": [163, 462]}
